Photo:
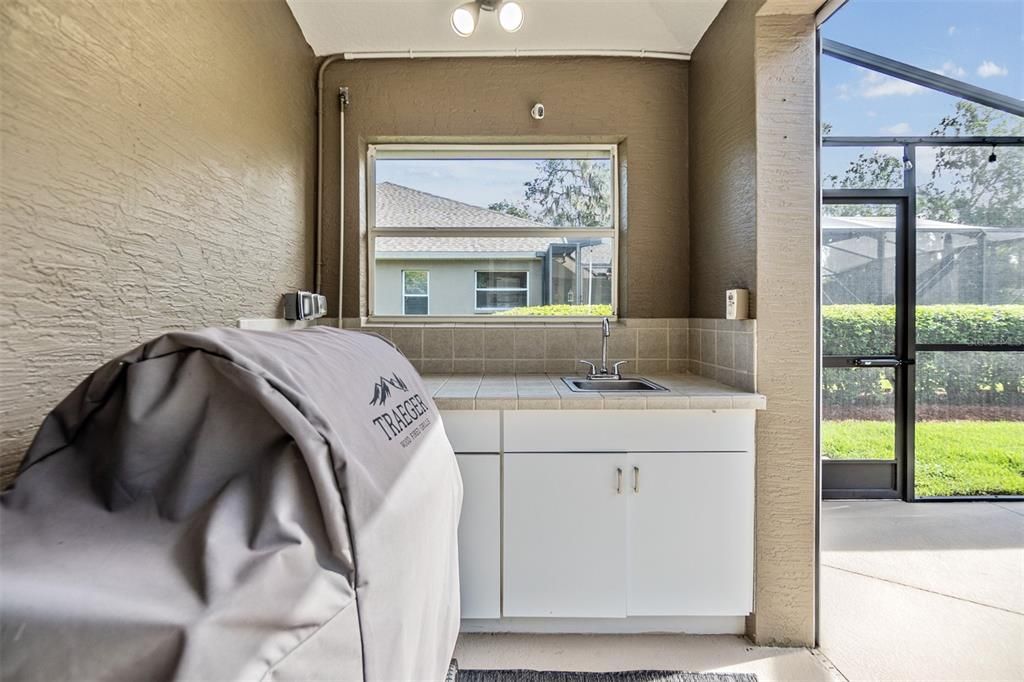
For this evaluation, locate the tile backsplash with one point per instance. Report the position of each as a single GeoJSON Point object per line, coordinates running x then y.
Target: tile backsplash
{"type": "Point", "coordinates": [723, 350]}
{"type": "Point", "coordinates": [719, 349]}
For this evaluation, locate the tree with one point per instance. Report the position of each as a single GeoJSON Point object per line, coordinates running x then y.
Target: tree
{"type": "Point", "coordinates": [963, 186]}
{"type": "Point", "coordinates": [872, 170]}
{"type": "Point", "coordinates": [572, 192]}
{"type": "Point", "coordinates": [565, 192]}
{"type": "Point", "coordinates": [505, 206]}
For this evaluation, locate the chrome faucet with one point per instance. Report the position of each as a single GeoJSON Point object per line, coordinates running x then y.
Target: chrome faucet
{"type": "Point", "coordinates": [603, 373]}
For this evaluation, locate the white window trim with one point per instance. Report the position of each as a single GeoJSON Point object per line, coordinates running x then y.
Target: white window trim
{"type": "Point", "coordinates": [477, 289]}
{"type": "Point", "coordinates": [406, 297]}
{"type": "Point", "coordinates": [509, 150]}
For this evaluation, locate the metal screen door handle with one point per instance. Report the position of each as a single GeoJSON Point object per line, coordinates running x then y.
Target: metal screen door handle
{"type": "Point", "coordinates": [877, 362]}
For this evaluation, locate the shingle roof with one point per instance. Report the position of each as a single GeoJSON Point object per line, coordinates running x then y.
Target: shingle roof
{"type": "Point", "coordinates": [399, 206]}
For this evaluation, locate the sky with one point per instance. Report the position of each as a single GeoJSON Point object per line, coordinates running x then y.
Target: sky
{"type": "Point", "coordinates": [479, 182]}
{"type": "Point", "coordinates": [977, 41]}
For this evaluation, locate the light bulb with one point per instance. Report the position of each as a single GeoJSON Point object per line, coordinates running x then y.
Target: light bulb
{"type": "Point", "coordinates": [511, 16]}
{"type": "Point", "coordinates": [464, 19]}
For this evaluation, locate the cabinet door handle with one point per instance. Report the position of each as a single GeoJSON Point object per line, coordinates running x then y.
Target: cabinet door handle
{"type": "Point", "coordinates": [636, 479]}
{"type": "Point", "coordinates": [618, 481]}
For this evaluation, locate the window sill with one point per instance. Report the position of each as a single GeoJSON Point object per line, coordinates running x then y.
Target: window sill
{"type": "Point", "coordinates": [482, 321]}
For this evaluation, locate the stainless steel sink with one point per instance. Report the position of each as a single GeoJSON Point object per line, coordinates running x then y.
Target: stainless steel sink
{"type": "Point", "coordinates": [628, 385]}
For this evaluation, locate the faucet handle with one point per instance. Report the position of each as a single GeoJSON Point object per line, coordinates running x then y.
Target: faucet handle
{"type": "Point", "coordinates": [593, 367]}
{"type": "Point", "coordinates": [615, 367]}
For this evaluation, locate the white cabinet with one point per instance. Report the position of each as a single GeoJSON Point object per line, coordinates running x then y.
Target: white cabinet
{"type": "Point", "coordinates": [565, 535]}
{"type": "Point", "coordinates": [480, 536]}
{"type": "Point", "coordinates": [690, 533]}
{"type": "Point", "coordinates": [475, 436]}
{"type": "Point", "coordinates": [638, 534]}
{"type": "Point", "coordinates": [634, 515]}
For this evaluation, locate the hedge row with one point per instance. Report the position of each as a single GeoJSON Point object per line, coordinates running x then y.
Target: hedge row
{"type": "Point", "coordinates": [954, 379]}
{"type": "Point", "coordinates": [870, 329]}
{"type": "Point", "coordinates": [561, 310]}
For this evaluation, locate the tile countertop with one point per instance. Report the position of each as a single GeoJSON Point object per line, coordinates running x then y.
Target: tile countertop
{"type": "Point", "coordinates": [549, 392]}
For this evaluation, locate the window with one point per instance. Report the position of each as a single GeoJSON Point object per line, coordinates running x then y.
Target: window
{"type": "Point", "coordinates": [502, 290]}
{"type": "Point", "coordinates": [505, 231]}
{"type": "Point", "coordinates": [415, 292]}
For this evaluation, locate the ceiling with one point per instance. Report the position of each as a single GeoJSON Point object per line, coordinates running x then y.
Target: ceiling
{"type": "Point", "coordinates": [337, 26]}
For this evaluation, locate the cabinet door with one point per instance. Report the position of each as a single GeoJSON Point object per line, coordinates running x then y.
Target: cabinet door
{"type": "Point", "coordinates": [691, 533]}
{"type": "Point", "coordinates": [480, 536]}
{"type": "Point", "coordinates": [565, 535]}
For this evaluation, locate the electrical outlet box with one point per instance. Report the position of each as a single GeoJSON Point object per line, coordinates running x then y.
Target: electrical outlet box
{"type": "Point", "coordinates": [303, 305]}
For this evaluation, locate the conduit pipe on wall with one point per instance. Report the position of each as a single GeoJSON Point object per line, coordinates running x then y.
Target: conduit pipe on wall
{"type": "Point", "coordinates": [318, 238]}
{"type": "Point", "coordinates": [438, 54]}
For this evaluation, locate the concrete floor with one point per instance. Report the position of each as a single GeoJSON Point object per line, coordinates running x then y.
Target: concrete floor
{"type": "Point", "coordinates": [922, 591]}
{"type": "Point", "coordinates": [926, 591]}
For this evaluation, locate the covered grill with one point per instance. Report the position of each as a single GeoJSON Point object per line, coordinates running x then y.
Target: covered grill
{"type": "Point", "coordinates": [232, 504]}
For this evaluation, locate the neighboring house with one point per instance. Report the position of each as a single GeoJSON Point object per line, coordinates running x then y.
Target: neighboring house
{"type": "Point", "coordinates": [954, 263]}
{"type": "Point", "coordinates": [476, 275]}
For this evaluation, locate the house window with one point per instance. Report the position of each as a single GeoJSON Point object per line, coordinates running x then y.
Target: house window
{"type": "Point", "coordinates": [506, 231]}
{"type": "Point", "coordinates": [502, 290]}
{"type": "Point", "coordinates": [415, 292]}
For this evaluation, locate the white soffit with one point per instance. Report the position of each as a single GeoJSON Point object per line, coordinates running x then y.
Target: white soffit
{"type": "Point", "coordinates": [362, 26]}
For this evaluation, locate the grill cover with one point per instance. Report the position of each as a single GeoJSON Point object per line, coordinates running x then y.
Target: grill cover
{"type": "Point", "coordinates": [230, 504]}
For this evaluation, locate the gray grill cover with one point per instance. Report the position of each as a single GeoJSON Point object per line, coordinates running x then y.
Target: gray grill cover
{"type": "Point", "coordinates": [233, 504]}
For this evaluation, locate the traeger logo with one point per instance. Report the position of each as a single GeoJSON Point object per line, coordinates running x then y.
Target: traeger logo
{"type": "Point", "coordinates": [382, 389]}
{"type": "Point", "coordinates": [407, 419]}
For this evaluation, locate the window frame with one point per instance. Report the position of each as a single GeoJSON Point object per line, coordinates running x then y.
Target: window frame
{"type": "Point", "coordinates": [477, 289]}
{"type": "Point", "coordinates": [406, 296]}
{"type": "Point", "coordinates": [510, 150]}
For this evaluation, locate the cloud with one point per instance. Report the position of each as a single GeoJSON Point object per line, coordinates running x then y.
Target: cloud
{"type": "Point", "coordinates": [901, 128]}
{"type": "Point", "coordinates": [952, 70]}
{"type": "Point", "coordinates": [951, 30]}
{"type": "Point", "coordinates": [874, 84]}
{"type": "Point", "coordinates": [988, 69]}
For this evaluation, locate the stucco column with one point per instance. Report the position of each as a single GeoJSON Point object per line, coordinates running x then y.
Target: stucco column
{"type": "Point", "coordinates": [785, 66]}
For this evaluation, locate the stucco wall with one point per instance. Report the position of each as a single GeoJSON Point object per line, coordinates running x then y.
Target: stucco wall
{"type": "Point", "coordinates": [752, 153]}
{"type": "Point", "coordinates": [786, 337]}
{"type": "Point", "coordinates": [723, 151]}
{"type": "Point", "coordinates": [641, 103]}
{"type": "Point", "coordinates": [158, 165]}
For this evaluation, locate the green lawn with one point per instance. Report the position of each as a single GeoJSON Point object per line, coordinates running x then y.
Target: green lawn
{"type": "Point", "coordinates": [953, 458]}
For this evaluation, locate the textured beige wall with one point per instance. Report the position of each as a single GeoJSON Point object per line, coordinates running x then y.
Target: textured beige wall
{"type": "Point", "coordinates": [752, 187]}
{"type": "Point", "coordinates": [640, 102]}
{"type": "Point", "coordinates": [158, 166]}
{"type": "Point", "coordinates": [723, 151]}
{"type": "Point", "coordinates": [786, 261]}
